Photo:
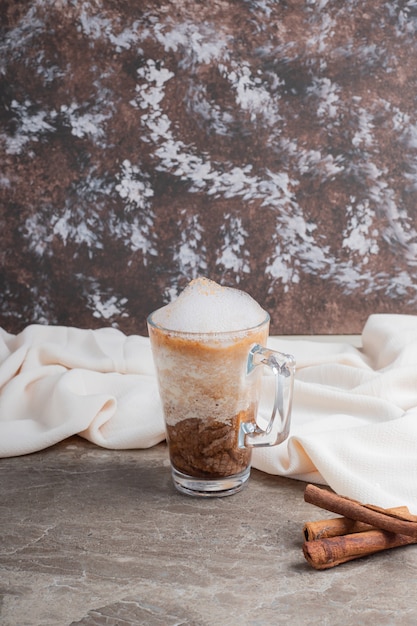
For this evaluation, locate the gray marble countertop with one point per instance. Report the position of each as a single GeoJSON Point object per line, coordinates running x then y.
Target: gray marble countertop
{"type": "Point", "coordinates": [92, 536]}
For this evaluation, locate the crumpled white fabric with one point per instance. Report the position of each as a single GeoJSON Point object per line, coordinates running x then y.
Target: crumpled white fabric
{"type": "Point", "coordinates": [354, 419]}
{"type": "Point", "coordinates": [59, 381]}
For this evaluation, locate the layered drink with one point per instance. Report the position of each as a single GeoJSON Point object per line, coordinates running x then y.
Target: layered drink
{"type": "Point", "coordinates": [200, 343]}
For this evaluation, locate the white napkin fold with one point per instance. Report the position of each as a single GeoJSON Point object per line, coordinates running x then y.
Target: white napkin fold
{"type": "Point", "coordinates": [57, 381]}
{"type": "Point", "coordinates": [354, 422]}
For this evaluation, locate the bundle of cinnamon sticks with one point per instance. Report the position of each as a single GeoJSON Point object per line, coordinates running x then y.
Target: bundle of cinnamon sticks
{"type": "Point", "coordinates": [362, 529]}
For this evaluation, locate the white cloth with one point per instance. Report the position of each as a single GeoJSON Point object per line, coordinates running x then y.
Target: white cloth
{"type": "Point", "coordinates": [354, 422]}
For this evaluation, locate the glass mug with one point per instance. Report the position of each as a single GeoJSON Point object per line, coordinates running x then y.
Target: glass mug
{"type": "Point", "coordinates": [209, 385]}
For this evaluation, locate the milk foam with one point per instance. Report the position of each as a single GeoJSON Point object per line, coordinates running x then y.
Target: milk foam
{"type": "Point", "coordinates": [205, 306]}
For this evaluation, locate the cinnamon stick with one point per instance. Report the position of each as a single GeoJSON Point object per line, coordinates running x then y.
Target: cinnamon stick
{"type": "Point", "coordinates": [369, 514]}
{"type": "Point", "coordinates": [330, 552]}
{"type": "Point", "coordinates": [335, 526]}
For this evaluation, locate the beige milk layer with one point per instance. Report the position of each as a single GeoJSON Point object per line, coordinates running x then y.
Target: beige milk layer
{"type": "Point", "coordinates": [206, 395]}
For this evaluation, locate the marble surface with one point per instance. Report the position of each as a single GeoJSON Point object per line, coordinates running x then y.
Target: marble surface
{"type": "Point", "coordinates": [267, 144]}
{"type": "Point", "coordinates": [97, 537]}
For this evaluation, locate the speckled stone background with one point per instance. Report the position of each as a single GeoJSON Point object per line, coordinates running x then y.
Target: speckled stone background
{"type": "Point", "coordinates": [270, 145]}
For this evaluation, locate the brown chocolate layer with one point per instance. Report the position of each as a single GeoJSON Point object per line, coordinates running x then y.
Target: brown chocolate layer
{"type": "Point", "coordinates": [208, 448]}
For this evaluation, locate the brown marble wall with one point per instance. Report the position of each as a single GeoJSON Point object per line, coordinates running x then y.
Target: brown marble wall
{"type": "Point", "coordinates": [270, 145]}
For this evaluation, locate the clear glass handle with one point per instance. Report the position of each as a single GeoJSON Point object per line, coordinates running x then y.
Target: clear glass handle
{"type": "Point", "coordinates": [278, 427]}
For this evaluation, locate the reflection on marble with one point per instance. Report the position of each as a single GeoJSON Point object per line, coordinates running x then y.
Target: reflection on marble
{"type": "Point", "coordinates": [269, 144]}
{"type": "Point", "coordinates": [93, 537]}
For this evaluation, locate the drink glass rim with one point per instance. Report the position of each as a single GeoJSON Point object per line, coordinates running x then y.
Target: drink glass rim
{"type": "Point", "coordinates": [206, 334]}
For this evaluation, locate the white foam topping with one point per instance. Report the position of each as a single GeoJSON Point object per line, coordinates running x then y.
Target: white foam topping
{"type": "Point", "coordinates": [205, 306]}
